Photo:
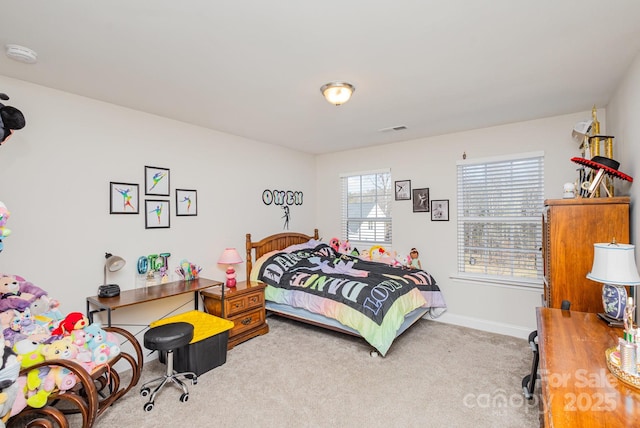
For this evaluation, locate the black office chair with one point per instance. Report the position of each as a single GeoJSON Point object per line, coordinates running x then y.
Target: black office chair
{"type": "Point", "coordinates": [167, 338]}
{"type": "Point", "coordinates": [529, 381]}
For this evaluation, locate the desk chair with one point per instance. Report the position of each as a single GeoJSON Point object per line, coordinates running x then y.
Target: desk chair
{"type": "Point", "coordinates": [167, 338]}
{"type": "Point", "coordinates": [529, 381]}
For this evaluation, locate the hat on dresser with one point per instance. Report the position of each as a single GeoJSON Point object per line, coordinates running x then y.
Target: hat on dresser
{"type": "Point", "coordinates": [609, 166]}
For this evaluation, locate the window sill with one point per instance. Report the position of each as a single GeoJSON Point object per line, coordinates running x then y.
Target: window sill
{"type": "Point", "coordinates": [530, 285]}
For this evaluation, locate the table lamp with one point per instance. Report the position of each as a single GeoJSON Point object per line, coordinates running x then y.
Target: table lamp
{"type": "Point", "coordinates": [230, 257]}
{"type": "Point", "coordinates": [111, 264]}
{"type": "Point", "coordinates": [614, 265]}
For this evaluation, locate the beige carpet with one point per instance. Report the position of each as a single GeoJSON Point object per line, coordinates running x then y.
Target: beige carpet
{"type": "Point", "coordinates": [435, 375]}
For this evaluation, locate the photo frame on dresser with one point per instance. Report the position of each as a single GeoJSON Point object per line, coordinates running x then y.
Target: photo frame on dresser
{"type": "Point", "coordinates": [124, 198]}
{"type": "Point", "coordinates": [186, 202]}
{"type": "Point", "coordinates": [157, 214]}
{"type": "Point", "coordinates": [156, 181]}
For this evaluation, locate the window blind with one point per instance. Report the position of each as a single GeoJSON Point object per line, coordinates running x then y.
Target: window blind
{"type": "Point", "coordinates": [366, 207]}
{"type": "Point", "coordinates": [500, 204]}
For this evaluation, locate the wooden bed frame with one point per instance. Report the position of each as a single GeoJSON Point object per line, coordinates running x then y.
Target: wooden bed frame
{"type": "Point", "coordinates": [280, 241]}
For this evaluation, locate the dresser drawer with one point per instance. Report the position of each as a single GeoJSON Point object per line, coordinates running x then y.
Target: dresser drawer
{"type": "Point", "coordinates": [246, 321]}
{"type": "Point", "coordinates": [235, 305]}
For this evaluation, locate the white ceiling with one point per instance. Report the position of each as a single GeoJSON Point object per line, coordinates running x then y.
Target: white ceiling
{"type": "Point", "coordinates": [254, 67]}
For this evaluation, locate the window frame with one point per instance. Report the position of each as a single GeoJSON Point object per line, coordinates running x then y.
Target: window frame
{"type": "Point", "coordinates": [384, 198]}
{"type": "Point", "coordinates": [531, 223]}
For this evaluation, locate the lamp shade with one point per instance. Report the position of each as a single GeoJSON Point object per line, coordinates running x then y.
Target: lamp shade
{"type": "Point", "coordinates": [112, 264]}
{"type": "Point", "coordinates": [337, 92]}
{"type": "Point", "coordinates": [614, 264]}
{"type": "Point", "coordinates": [230, 256]}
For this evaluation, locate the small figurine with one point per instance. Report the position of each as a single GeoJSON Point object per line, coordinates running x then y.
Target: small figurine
{"type": "Point", "coordinates": [414, 261]}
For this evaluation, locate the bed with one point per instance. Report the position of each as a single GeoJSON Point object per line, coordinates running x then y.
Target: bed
{"type": "Point", "coordinates": [307, 280]}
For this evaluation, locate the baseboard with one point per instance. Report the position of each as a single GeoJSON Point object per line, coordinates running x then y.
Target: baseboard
{"type": "Point", "coordinates": [480, 324]}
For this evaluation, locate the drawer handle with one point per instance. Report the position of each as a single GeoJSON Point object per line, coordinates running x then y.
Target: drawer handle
{"type": "Point", "coordinates": [237, 305]}
{"type": "Point", "coordinates": [246, 321]}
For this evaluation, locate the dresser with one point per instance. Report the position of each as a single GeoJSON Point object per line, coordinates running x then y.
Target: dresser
{"type": "Point", "coordinates": [244, 305]}
{"type": "Point", "coordinates": [576, 387]}
{"type": "Point", "coordinates": [570, 228]}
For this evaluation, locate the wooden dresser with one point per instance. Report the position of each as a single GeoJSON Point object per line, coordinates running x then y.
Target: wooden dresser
{"type": "Point", "coordinates": [570, 228]}
{"type": "Point", "coordinates": [244, 305]}
{"type": "Point", "coordinates": [576, 387]}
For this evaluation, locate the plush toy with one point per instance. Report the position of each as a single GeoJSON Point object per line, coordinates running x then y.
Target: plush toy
{"type": "Point", "coordinates": [24, 324]}
{"type": "Point", "coordinates": [17, 293]}
{"type": "Point", "coordinates": [4, 217]}
{"type": "Point", "coordinates": [334, 243]}
{"type": "Point", "coordinates": [103, 345]}
{"type": "Point", "coordinates": [29, 352]}
{"type": "Point", "coordinates": [414, 261]}
{"type": "Point", "coordinates": [10, 119]}
{"type": "Point", "coordinates": [9, 372]}
{"type": "Point", "coordinates": [73, 321]}
{"type": "Point", "coordinates": [45, 312]}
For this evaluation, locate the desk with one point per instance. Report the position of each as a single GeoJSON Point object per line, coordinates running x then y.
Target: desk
{"type": "Point", "coordinates": [577, 388]}
{"type": "Point", "coordinates": [147, 294]}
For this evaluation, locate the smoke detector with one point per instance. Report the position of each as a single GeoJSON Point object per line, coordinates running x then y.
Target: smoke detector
{"type": "Point", "coordinates": [22, 54]}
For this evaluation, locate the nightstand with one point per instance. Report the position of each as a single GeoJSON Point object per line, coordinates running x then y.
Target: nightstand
{"type": "Point", "coordinates": [244, 305]}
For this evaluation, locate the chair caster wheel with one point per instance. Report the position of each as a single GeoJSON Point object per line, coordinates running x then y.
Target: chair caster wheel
{"type": "Point", "coordinates": [148, 407]}
{"type": "Point", "coordinates": [184, 398]}
{"type": "Point", "coordinates": [145, 391]}
{"type": "Point", "coordinates": [194, 381]}
{"type": "Point", "coordinates": [374, 353]}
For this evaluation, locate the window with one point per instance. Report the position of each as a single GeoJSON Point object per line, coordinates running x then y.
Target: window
{"type": "Point", "coordinates": [366, 207]}
{"type": "Point", "coordinates": [500, 204]}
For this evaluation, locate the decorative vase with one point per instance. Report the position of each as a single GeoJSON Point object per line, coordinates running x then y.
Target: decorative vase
{"type": "Point", "coordinates": [614, 300]}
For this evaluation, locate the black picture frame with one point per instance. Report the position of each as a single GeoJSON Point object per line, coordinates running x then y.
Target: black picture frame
{"type": "Point", "coordinates": [157, 214]}
{"type": "Point", "coordinates": [421, 200]}
{"type": "Point", "coordinates": [156, 181]}
{"type": "Point", "coordinates": [186, 202]}
{"type": "Point", "coordinates": [124, 198]}
{"type": "Point", "coordinates": [440, 210]}
{"type": "Point", "coordinates": [403, 190]}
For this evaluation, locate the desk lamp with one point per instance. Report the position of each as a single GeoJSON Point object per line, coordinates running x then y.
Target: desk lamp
{"type": "Point", "coordinates": [614, 265]}
{"type": "Point", "coordinates": [111, 264]}
{"type": "Point", "coordinates": [230, 257]}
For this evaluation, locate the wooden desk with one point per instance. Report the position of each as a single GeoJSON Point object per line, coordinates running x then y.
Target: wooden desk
{"type": "Point", "coordinates": [147, 294]}
{"type": "Point", "coordinates": [577, 388]}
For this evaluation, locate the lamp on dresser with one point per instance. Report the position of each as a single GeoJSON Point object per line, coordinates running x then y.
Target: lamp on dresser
{"type": "Point", "coordinates": [614, 266]}
{"type": "Point", "coordinates": [230, 257]}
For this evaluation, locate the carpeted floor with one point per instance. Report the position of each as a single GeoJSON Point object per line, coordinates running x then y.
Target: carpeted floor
{"type": "Point", "coordinates": [435, 375]}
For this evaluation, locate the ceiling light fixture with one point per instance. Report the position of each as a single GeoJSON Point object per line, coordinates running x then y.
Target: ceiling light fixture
{"type": "Point", "coordinates": [22, 54]}
{"type": "Point", "coordinates": [337, 93]}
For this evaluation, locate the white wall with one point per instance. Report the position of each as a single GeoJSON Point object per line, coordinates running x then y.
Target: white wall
{"type": "Point", "coordinates": [54, 179]}
{"type": "Point", "coordinates": [431, 163]}
{"type": "Point", "coordinates": [624, 124]}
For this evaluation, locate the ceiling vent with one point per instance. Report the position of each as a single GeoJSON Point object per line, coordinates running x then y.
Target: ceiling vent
{"type": "Point", "coordinates": [393, 128]}
{"type": "Point", "coordinates": [22, 54]}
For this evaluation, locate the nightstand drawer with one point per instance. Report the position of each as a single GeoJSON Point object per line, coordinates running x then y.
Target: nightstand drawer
{"type": "Point", "coordinates": [235, 305]}
{"type": "Point", "coordinates": [246, 321]}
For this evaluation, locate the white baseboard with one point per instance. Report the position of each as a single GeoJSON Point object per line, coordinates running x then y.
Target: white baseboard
{"type": "Point", "coordinates": [480, 324]}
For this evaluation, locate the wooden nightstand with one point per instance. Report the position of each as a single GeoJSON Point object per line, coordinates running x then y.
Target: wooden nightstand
{"type": "Point", "coordinates": [244, 305]}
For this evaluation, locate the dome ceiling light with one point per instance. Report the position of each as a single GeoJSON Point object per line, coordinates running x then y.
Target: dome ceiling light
{"type": "Point", "coordinates": [337, 93]}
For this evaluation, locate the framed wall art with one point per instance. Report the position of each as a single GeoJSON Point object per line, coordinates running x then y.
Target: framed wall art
{"type": "Point", "coordinates": [440, 210]}
{"type": "Point", "coordinates": [157, 214]}
{"type": "Point", "coordinates": [186, 202]}
{"type": "Point", "coordinates": [156, 181]}
{"type": "Point", "coordinates": [421, 200]}
{"type": "Point", "coordinates": [403, 190]}
{"type": "Point", "coordinates": [123, 198]}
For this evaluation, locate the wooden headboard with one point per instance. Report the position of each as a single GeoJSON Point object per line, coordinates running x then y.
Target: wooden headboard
{"type": "Point", "coordinates": [279, 241]}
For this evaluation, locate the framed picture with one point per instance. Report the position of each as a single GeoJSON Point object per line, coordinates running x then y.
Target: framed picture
{"type": "Point", "coordinates": [186, 202]}
{"type": "Point", "coordinates": [156, 214]}
{"type": "Point", "coordinates": [156, 181]}
{"type": "Point", "coordinates": [124, 198]}
{"type": "Point", "coordinates": [421, 200]}
{"type": "Point", "coordinates": [403, 190]}
{"type": "Point", "coordinates": [440, 210]}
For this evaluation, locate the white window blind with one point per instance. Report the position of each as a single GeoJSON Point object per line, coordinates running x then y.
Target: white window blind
{"type": "Point", "coordinates": [366, 207]}
{"type": "Point", "coordinates": [500, 204]}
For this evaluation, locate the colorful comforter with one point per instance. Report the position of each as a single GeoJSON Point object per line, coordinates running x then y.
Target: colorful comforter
{"type": "Point", "coordinates": [370, 297]}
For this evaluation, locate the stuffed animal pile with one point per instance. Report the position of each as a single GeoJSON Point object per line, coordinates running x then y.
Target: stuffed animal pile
{"type": "Point", "coordinates": [34, 330]}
